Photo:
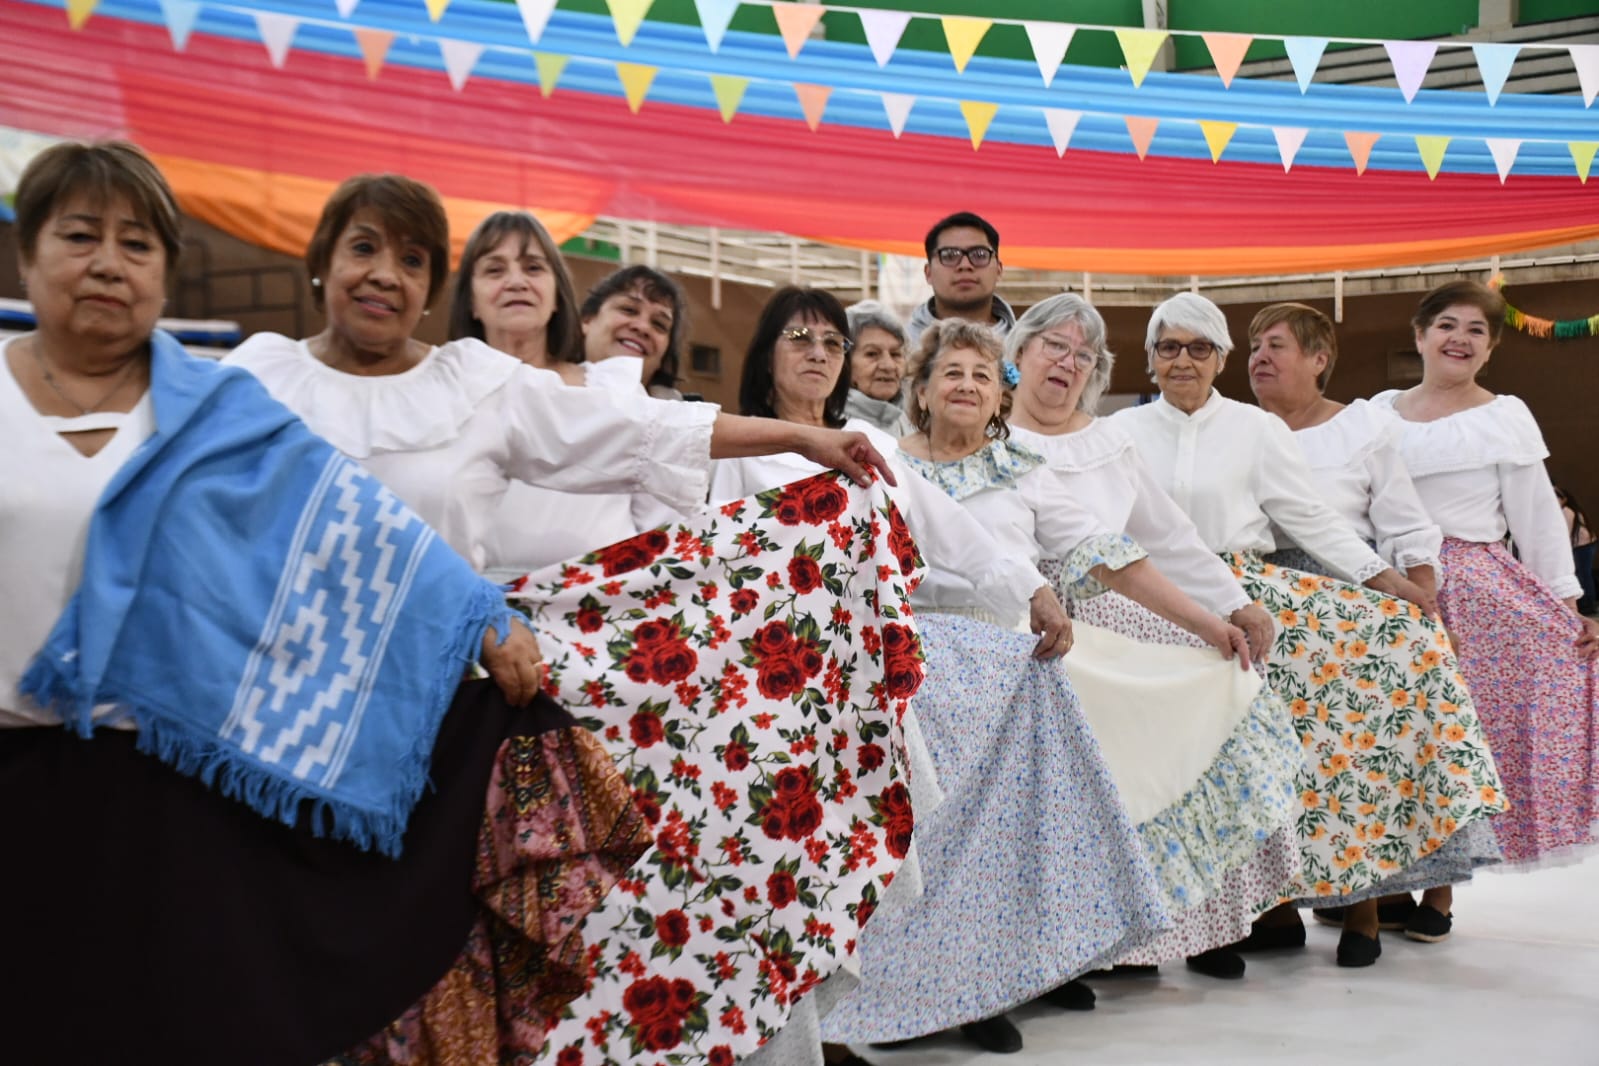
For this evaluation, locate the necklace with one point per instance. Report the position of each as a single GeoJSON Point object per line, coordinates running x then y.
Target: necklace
{"type": "Point", "coordinates": [55, 386]}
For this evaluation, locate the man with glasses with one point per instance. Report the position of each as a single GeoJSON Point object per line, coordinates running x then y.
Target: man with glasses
{"type": "Point", "coordinates": [963, 268]}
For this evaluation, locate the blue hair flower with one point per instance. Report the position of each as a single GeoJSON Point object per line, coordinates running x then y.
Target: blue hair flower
{"type": "Point", "coordinates": [1013, 377]}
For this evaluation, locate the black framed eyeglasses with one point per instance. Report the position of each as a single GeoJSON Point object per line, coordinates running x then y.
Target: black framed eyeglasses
{"type": "Point", "coordinates": [1198, 351]}
{"type": "Point", "coordinates": [979, 255]}
{"type": "Point", "coordinates": [835, 345]}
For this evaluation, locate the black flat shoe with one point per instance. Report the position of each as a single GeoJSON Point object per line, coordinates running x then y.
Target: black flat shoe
{"type": "Point", "coordinates": [1224, 963]}
{"type": "Point", "coordinates": [1073, 995]}
{"type": "Point", "coordinates": [1271, 938]}
{"type": "Point", "coordinates": [1123, 969]}
{"type": "Point", "coordinates": [1333, 916]}
{"type": "Point", "coordinates": [1428, 925]}
{"type": "Point", "coordinates": [1392, 917]}
{"type": "Point", "coordinates": [1358, 949]}
{"type": "Point", "coordinates": [996, 1035]}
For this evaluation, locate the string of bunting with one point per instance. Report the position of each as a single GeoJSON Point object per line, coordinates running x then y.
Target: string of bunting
{"type": "Point", "coordinates": [1564, 329]}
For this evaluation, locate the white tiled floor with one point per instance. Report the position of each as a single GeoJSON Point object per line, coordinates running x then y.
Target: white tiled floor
{"type": "Point", "coordinates": [1516, 985]}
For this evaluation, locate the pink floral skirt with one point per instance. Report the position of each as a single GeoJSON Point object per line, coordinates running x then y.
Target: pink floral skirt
{"type": "Point", "coordinates": [1537, 698]}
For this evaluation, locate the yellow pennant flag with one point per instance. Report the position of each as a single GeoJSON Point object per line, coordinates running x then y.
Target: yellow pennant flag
{"type": "Point", "coordinates": [978, 115]}
{"type": "Point", "coordinates": [436, 9]}
{"type": "Point", "coordinates": [374, 48]}
{"type": "Point", "coordinates": [729, 92]}
{"type": "Point", "coordinates": [628, 15]}
{"type": "Point", "coordinates": [550, 67]}
{"type": "Point", "coordinates": [795, 22]}
{"type": "Point", "coordinates": [1142, 131]}
{"type": "Point", "coordinates": [1140, 47]}
{"type": "Point", "coordinates": [78, 12]}
{"type": "Point", "coordinates": [964, 34]}
{"type": "Point", "coordinates": [813, 101]}
{"type": "Point", "coordinates": [1582, 155]}
{"type": "Point", "coordinates": [1432, 150]}
{"type": "Point", "coordinates": [1360, 145]}
{"type": "Point", "coordinates": [1217, 134]}
{"type": "Point", "coordinates": [636, 79]}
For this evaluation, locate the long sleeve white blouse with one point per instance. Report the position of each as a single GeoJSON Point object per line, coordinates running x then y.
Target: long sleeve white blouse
{"type": "Point", "coordinates": [451, 434]}
{"type": "Point", "coordinates": [1480, 473]}
{"type": "Point", "coordinates": [1102, 467]}
{"type": "Point", "coordinates": [966, 567]}
{"type": "Point", "coordinates": [1235, 471]}
{"type": "Point", "coordinates": [1355, 459]}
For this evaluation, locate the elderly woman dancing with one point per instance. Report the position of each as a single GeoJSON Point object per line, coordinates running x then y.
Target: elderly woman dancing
{"type": "Point", "coordinates": [1064, 366]}
{"type": "Point", "coordinates": [1396, 760]}
{"type": "Point", "coordinates": [1530, 658]}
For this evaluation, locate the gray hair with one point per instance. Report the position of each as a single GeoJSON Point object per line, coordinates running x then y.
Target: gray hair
{"type": "Point", "coordinates": [869, 314]}
{"type": "Point", "coordinates": [1191, 313]}
{"type": "Point", "coordinates": [1057, 311]}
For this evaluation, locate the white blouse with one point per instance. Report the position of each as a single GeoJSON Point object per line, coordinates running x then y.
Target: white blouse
{"type": "Point", "coordinates": [965, 567]}
{"type": "Point", "coordinates": [521, 538]}
{"type": "Point", "coordinates": [1235, 470]}
{"type": "Point", "coordinates": [1107, 476]}
{"type": "Point", "coordinates": [1480, 473]}
{"type": "Point", "coordinates": [451, 434]}
{"type": "Point", "coordinates": [1356, 461]}
{"type": "Point", "coordinates": [48, 493]}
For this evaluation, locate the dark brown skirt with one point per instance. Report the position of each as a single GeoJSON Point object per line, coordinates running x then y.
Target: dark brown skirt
{"type": "Point", "coordinates": [149, 919]}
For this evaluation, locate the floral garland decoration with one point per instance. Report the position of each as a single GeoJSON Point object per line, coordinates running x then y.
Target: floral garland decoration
{"type": "Point", "coordinates": [1563, 330]}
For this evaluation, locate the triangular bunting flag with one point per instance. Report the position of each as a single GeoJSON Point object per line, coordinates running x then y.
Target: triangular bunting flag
{"type": "Point", "coordinates": [374, 49]}
{"type": "Point", "coordinates": [1140, 47]}
{"type": "Point", "coordinates": [1142, 131]}
{"type": "Point", "coordinates": [1227, 51]}
{"type": "Point", "coordinates": [277, 32]}
{"type": "Point", "coordinates": [729, 92]}
{"type": "Point", "coordinates": [1289, 138]}
{"type": "Point", "coordinates": [436, 8]}
{"type": "Point", "coordinates": [795, 22]}
{"type": "Point", "coordinates": [1062, 124]}
{"type": "Point", "coordinates": [883, 30]}
{"type": "Point", "coordinates": [535, 16]}
{"type": "Point", "coordinates": [1585, 57]}
{"type": "Point", "coordinates": [1217, 134]}
{"type": "Point", "coordinates": [459, 59]}
{"type": "Point", "coordinates": [181, 16]}
{"type": "Point", "coordinates": [813, 101]}
{"type": "Point", "coordinates": [963, 34]}
{"type": "Point", "coordinates": [1582, 155]}
{"type": "Point", "coordinates": [1493, 63]}
{"type": "Point", "coordinates": [628, 16]}
{"type": "Point", "coordinates": [978, 115]}
{"type": "Point", "coordinates": [636, 79]}
{"type": "Point", "coordinates": [78, 12]}
{"type": "Point", "coordinates": [1050, 41]}
{"type": "Point", "coordinates": [1360, 148]}
{"type": "Point", "coordinates": [898, 108]}
{"type": "Point", "coordinates": [1504, 150]}
{"type": "Point", "coordinates": [1304, 53]}
{"type": "Point", "coordinates": [346, 7]}
{"type": "Point", "coordinates": [1411, 60]}
{"type": "Point", "coordinates": [1432, 150]}
{"type": "Point", "coordinates": [549, 68]}
{"type": "Point", "coordinates": [715, 17]}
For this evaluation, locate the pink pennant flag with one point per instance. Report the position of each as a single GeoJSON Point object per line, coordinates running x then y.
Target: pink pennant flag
{"type": "Point", "coordinates": [813, 101]}
{"type": "Point", "coordinates": [374, 49]}
{"type": "Point", "coordinates": [795, 22]}
{"type": "Point", "coordinates": [1360, 145]}
{"type": "Point", "coordinates": [1411, 60]}
{"type": "Point", "coordinates": [1142, 131]}
{"type": "Point", "coordinates": [1227, 51]}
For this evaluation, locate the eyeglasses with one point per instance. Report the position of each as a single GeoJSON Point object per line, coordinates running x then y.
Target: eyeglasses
{"type": "Point", "coordinates": [1058, 351]}
{"type": "Point", "coordinates": [1198, 351]}
{"type": "Point", "coordinates": [834, 345]}
{"type": "Point", "coordinates": [979, 255]}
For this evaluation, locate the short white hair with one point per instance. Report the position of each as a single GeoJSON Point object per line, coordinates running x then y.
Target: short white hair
{"type": "Point", "coordinates": [1193, 314]}
{"type": "Point", "coordinates": [1053, 312]}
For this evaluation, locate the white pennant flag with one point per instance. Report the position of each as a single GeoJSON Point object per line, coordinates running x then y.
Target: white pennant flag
{"type": "Point", "coordinates": [459, 59]}
{"type": "Point", "coordinates": [898, 107]}
{"type": "Point", "coordinates": [535, 16]}
{"type": "Point", "coordinates": [1585, 57]}
{"type": "Point", "coordinates": [346, 7]}
{"type": "Point", "coordinates": [883, 31]}
{"type": "Point", "coordinates": [1504, 151]}
{"type": "Point", "coordinates": [277, 32]}
{"type": "Point", "coordinates": [1289, 138]}
{"type": "Point", "coordinates": [715, 16]}
{"type": "Point", "coordinates": [1062, 124]}
{"type": "Point", "coordinates": [1050, 41]}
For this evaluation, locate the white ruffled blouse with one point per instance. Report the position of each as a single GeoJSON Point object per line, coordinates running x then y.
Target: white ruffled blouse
{"type": "Point", "coordinates": [1107, 476]}
{"type": "Point", "coordinates": [963, 560]}
{"type": "Point", "coordinates": [451, 434]}
{"type": "Point", "coordinates": [1356, 461]}
{"type": "Point", "coordinates": [1480, 473]}
{"type": "Point", "coordinates": [1236, 471]}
